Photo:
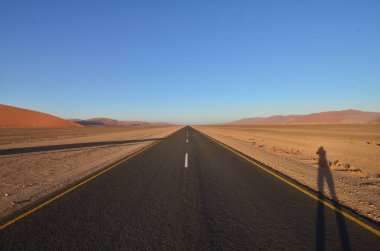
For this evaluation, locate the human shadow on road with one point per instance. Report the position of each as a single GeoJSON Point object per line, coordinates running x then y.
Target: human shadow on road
{"type": "Point", "coordinates": [324, 173]}
{"type": "Point", "coordinates": [71, 146]}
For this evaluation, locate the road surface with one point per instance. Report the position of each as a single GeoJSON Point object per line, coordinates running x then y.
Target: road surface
{"type": "Point", "coordinates": [184, 193]}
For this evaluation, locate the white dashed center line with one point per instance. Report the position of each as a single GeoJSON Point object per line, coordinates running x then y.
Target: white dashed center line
{"type": "Point", "coordinates": [186, 160]}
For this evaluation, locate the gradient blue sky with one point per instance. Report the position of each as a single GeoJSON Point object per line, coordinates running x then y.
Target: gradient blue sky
{"type": "Point", "coordinates": [189, 61]}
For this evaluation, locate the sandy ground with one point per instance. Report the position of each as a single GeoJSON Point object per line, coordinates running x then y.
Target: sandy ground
{"type": "Point", "coordinates": [353, 150]}
{"type": "Point", "coordinates": [49, 159]}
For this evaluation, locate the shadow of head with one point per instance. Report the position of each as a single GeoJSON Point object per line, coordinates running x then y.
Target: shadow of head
{"type": "Point", "coordinates": [322, 162]}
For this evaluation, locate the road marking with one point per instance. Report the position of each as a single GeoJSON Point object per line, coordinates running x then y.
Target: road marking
{"type": "Point", "coordinates": [313, 196]}
{"type": "Point", "coordinates": [186, 160]}
{"type": "Point", "coordinates": [45, 203]}
{"type": "Point", "coordinates": [187, 140]}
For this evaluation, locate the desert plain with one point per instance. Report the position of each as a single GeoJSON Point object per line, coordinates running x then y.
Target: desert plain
{"type": "Point", "coordinates": [36, 162]}
{"type": "Point", "coordinates": [352, 152]}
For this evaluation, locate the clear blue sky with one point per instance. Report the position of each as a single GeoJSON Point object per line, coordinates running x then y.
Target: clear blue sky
{"type": "Point", "coordinates": [189, 61]}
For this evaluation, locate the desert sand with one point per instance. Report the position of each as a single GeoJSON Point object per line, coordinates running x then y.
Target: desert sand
{"type": "Point", "coordinates": [22, 118]}
{"type": "Point", "coordinates": [36, 162]}
{"type": "Point", "coordinates": [352, 151]}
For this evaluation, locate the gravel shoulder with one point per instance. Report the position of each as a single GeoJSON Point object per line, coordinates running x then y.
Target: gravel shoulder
{"type": "Point", "coordinates": [352, 153]}
{"type": "Point", "coordinates": [28, 177]}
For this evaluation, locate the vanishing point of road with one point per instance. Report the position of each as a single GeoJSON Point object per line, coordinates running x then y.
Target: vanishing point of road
{"type": "Point", "coordinates": [186, 192]}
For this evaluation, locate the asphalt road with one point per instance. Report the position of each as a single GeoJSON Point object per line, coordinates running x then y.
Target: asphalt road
{"type": "Point", "coordinates": [218, 202]}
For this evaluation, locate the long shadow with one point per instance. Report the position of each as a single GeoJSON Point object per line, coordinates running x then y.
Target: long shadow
{"type": "Point", "coordinates": [70, 146]}
{"type": "Point", "coordinates": [324, 173]}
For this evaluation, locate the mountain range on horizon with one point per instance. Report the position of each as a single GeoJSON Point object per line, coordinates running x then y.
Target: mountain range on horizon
{"type": "Point", "coordinates": [330, 117]}
{"type": "Point", "coordinates": [14, 117]}
{"type": "Point", "coordinates": [115, 122]}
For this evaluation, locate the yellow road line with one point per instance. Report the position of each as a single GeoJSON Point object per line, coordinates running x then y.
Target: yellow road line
{"type": "Point", "coordinates": [327, 204]}
{"type": "Point", "coordinates": [17, 218]}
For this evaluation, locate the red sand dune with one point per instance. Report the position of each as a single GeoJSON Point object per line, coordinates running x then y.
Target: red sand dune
{"type": "Point", "coordinates": [333, 117]}
{"type": "Point", "coordinates": [11, 116]}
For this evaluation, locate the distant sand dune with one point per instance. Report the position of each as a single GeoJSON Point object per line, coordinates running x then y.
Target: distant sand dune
{"type": "Point", "coordinates": [332, 117]}
{"type": "Point", "coordinates": [22, 118]}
